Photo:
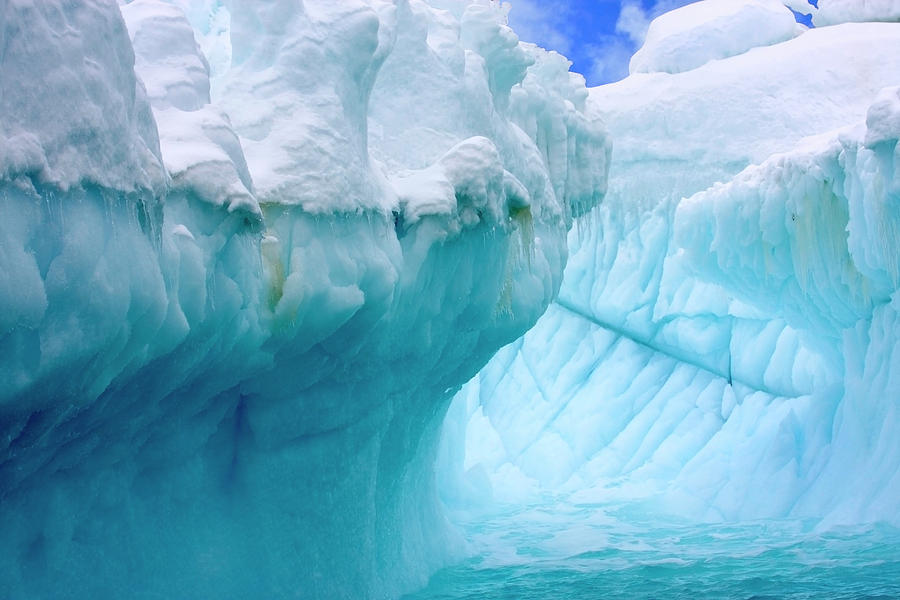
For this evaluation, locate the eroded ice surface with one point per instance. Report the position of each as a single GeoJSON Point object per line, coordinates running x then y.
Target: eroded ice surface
{"type": "Point", "coordinates": [724, 346]}
{"type": "Point", "coordinates": [248, 252]}
{"type": "Point", "coordinates": [251, 249]}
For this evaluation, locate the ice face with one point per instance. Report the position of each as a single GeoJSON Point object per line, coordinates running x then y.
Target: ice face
{"type": "Point", "coordinates": [724, 343]}
{"type": "Point", "coordinates": [228, 352]}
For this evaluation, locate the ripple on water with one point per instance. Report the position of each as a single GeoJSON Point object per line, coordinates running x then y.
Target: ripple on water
{"type": "Point", "coordinates": [530, 554]}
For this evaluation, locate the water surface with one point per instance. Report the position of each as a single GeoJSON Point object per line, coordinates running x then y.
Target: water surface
{"type": "Point", "coordinates": [592, 552]}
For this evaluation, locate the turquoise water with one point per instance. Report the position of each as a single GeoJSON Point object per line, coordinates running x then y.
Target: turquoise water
{"type": "Point", "coordinates": [593, 552]}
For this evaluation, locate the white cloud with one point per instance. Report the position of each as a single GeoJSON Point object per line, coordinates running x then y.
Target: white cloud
{"type": "Point", "coordinates": [551, 24]}
{"type": "Point", "coordinates": [547, 23]}
{"type": "Point", "coordinates": [633, 21]}
{"type": "Point", "coordinates": [609, 59]}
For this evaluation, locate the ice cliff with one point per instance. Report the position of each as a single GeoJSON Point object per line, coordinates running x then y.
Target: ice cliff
{"type": "Point", "coordinates": [249, 251]}
{"type": "Point", "coordinates": [725, 342]}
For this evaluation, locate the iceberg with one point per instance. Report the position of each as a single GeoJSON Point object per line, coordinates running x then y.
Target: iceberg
{"type": "Point", "coordinates": [286, 287]}
{"type": "Point", "coordinates": [723, 347]}
{"type": "Point", "coordinates": [249, 252]}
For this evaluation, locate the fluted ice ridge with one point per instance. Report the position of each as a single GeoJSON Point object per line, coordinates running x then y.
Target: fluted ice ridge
{"type": "Point", "coordinates": [725, 341]}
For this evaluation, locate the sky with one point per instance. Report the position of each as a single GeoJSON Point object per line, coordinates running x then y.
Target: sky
{"type": "Point", "coordinates": [598, 36]}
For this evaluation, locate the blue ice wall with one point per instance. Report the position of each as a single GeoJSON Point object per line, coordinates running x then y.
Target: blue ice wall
{"type": "Point", "coordinates": [724, 345]}
{"type": "Point", "coordinates": [249, 251]}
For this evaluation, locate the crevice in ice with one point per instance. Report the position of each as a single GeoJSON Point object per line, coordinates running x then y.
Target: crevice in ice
{"type": "Point", "coordinates": [547, 398]}
{"type": "Point", "coordinates": [726, 375]}
{"type": "Point", "coordinates": [241, 431]}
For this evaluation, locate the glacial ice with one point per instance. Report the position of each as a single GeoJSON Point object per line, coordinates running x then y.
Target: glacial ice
{"type": "Point", "coordinates": [252, 250]}
{"type": "Point", "coordinates": [724, 344]}
{"type": "Point", "coordinates": [249, 252]}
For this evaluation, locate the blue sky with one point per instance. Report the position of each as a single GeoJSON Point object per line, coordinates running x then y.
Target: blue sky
{"type": "Point", "coordinates": [598, 36]}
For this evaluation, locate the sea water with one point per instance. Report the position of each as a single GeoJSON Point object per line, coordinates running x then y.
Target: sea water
{"type": "Point", "coordinates": [576, 552]}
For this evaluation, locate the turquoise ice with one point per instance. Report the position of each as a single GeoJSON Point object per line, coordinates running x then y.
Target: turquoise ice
{"type": "Point", "coordinates": [252, 251]}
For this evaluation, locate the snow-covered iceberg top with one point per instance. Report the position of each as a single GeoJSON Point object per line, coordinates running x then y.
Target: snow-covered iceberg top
{"type": "Point", "coordinates": [72, 109]}
{"type": "Point", "coordinates": [312, 92]}
{"type": "Point", "coordinates": [697, 33]}
{"type": "Point", "coordinates": [832, 12]}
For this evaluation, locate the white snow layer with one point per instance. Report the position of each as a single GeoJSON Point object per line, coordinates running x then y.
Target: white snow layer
{"type": "Point", "coordinates": [697, 33]}
{"type": "Point", "coordinates": [76, 112]}
{"type": "Point", "coordinates": [719, 350]}
{"type": "Point", "coordinates": [832, 12]}
{"type": "Point", "coordinates": [227, 354]}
